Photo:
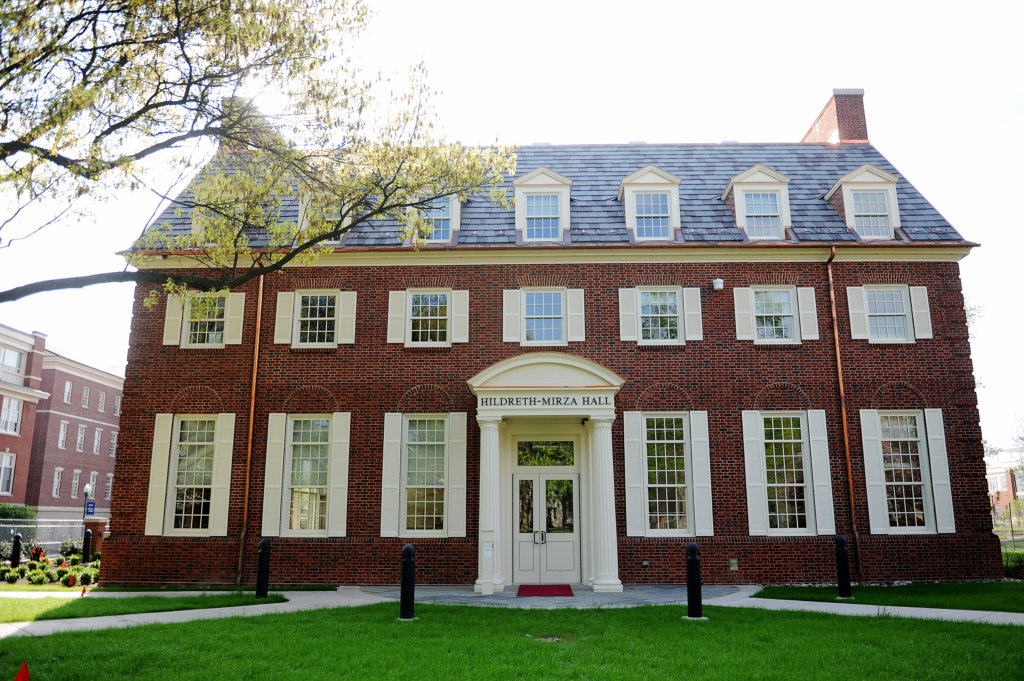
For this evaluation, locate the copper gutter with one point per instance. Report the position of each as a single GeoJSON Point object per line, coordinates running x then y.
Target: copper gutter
{"type": "Point", "coordinates": [842, 408]}
{"type": "Point", "coordinates": [248, 442]}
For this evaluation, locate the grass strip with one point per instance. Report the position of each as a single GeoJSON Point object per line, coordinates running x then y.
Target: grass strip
{"type": "Point", "coordinates": [54, 586]}
{"type": "Point", "coordinates": [997, 596]}
{"type": "Point", "coordinates": [30, 609]}
{"type": "Point", "coordinates": [232, 588]}
{"type": "Point", "coordinates": [466, 642]}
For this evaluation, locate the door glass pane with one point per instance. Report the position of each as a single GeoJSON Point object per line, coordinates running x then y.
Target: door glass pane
{"type": "Point", "coordinates": [545, 453]}
{"type": "Point", "coordinates": [559, 507]}
{"type": "Point", "coordinates": [525, 506]}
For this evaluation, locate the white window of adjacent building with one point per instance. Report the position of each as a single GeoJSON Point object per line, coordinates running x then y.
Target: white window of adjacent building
{"type": "Point", "coordinates": [67, 392]}
{"type": "Point", "coordinates": [907, 471]}
{"type": "Point", "coordinates": [543, 316]}
{"type": "Point", "coordinates": [788, 474]}
{"type": "Point", "coordinates": [776, 314]}
{"type": "Point", "coordinates": [660, 315]}
{"type": "Point", "coordinates": [10, 415]}
{"type": "Point", "coordinates": [997, 482]}
{"type": "Point", "coordinates": [315, 318]}
{"type": "Point", "coordinates": [204, 320]}
{"type": "Point", "coordinates": [76, 479]}
{"type": "Point", "coordinates": [869, 202]}
{"type": "Point", "coordinates": [109, 489]}
{"type": "Point", "coordinates": [542, 205]}
{"type": "Point", "coordinates": [760, 200]}
{"type": "Point", "coordinates": [190, 474]}
{"type": "Point", "coordinates": [92, 484]}
{"type": "Point", "coordinates": [306, 479]}
{"type": "Point", "coordinates": [113, 443]}
{"type": "Point", "coordinates": [7, 462]}
{"type": "Point", "coordinates": [80, 440]}
{"type": "Point", "coordinates": [889, 314]}
{"type": "Point", "coordinates": [428, 317]}
{"type": "Point", "coordinates": [97, 436]}
{"type": "Point", "coordinates": [650, 201]}
{"type": "Point", "coordinates": [423, 485]}
{"type": "Point", "coordinates": [101, 404]}
{"type": "Point", "coordinates": [12, 365]}
{"type": "Point", "coordinates": [85, 396]}
{"type": "Point", "coordinates": [62, 435]}
{"type": "Point", "coordinates": [58, 473]}
{"type": "Point", "coordinates": [117, 405]}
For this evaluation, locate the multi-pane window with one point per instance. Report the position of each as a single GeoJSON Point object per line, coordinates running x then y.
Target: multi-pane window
{"type": "Point", "coordinates": [101, 404]}
{"type": "Point", "coordinates": [117, 405]}
{"type": "Point", "coordinates": [542, 216]}
{"type": "Point", "coordinates": [317, 319]}
{"type": "Point", "coordinates": [762, 215]}
{"type": "Point", "coordinates": [904, 474]}
{"type": "Point", "coordinates": [887, 314]}
{"type": "Point", "coordinates": [6, 473]}
{"type": "Point", "coordinates": [309, 455]}
{"type": "Point", "coordinates": [92, 484]}
{"type": "Point", "coordinates": [439, 218]}
{"type": "Point", "coordinates": [871, 214]}
{"type": "Point", "coordinates": [67, 392]}
{"type": "Point", "coordinates": [85, 396]}
{"type": "Point", "coordinates": [11, 361]}
{"type": "Point", "coordinates": [665, 444]}
{"type": "Point", "coordinates": [544, 316]}
{"type": "Point", "coordinates": [428, 318]}
{"type": "Point", "coordinates": [659, 316]}
{"type": "Point", "coordinates": [113, 443]}
{"type": "Point", "coordinates": [62, 435]}
{"type": "Point", "coordinates": [192, 489]}
{"type": "Point", "coordinates": [58, 473]}
{"type": "Point", "coordinates": [205, 325]}
{"type": "Point", "coordinates": [425, 473]}
{"type": "Point", "coordinates": [80, 440]}
{"type": "Point", "coordinates": [10, 415]}
{"type": "Point", "coordinates": [652, 215]}
{"type": "Point", "coordinates": [96, 437]}
{"type": "Point", "coordinates": [76, 479]}
{"type": "Point", "coordinates": [774, 319]}
{"type": "Point", "coordinates": [786, 470]}
{"type": "Point", "coordinates": [109, 490]}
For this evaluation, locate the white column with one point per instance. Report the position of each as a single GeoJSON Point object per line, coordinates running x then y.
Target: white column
{"type": "Point", "coordinates": [489, 551]}
{"type": "Point", "coordinates": [606, 555]}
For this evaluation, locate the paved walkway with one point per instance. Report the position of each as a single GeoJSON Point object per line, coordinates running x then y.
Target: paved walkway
{"type": "Point", "coordinates": [632, 595]}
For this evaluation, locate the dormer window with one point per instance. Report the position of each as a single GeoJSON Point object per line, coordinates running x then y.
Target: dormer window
{"type": "Point", "coordinates": [867, 202]}
{"type": "Point", "coordinates": [650, 201]}
{"type": "Point", "coordinates": [542, 205]}
{"type": "Point", "coordinates": [439, 218]}
{"type": "Point", "coordinates": [759, 199]}
{"type": "Point", "coordinates": [324, 211]}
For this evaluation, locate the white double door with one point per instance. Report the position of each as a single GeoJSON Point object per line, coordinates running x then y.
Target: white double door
{"type": "Point", "coordinates": [546, 537]}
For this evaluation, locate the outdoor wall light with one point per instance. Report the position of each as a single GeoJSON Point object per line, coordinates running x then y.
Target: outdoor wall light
{"type": "Point", "coordinates": [718, 283]}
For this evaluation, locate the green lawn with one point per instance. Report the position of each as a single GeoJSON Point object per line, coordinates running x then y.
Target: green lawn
{"type": "Point", "coordinates": [465, 642]}
{"type": "Point", "coordinates": [1000, 596]}
{"type": "Point", "coordinates": [50, 608]}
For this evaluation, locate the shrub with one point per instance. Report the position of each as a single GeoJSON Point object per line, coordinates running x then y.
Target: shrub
{"type": "Point", "coordinates": [70, 546]}
{"type": "Point", "coordinates": [22, 570]}
{"type": "Point", "coordinates": [85, 578]}
{"type": "Point", "coordinates": [61, 571]}
{"type": "Point", "coordinates": [17, 511]}
{"type": "Point", "coordinates": [69, 579]}
{"type": "Point", "coordinates": [33, 566]}
{"type": "Point", "coordinates": [3, 571]}
{"type": "Point", "coordinates": [74, 559]}
{"type": "Point", "coordinates": [51, 576]}
{"type": "Point", "coordinates": [12, 577]}
{"type": "Point", "coordinates": [38, 577]}
{"type": "Point", "coordinates": [96, 557]}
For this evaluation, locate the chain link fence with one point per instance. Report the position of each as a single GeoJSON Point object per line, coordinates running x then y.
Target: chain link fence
{"type": "Point", "coordinates": [49, 533]}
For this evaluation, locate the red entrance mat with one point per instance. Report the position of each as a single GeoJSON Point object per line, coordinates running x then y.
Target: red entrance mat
{"type": "Point", "coordinates": [544, 590]}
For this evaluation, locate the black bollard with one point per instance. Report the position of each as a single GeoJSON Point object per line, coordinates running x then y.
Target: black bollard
{"type": "Point", "coordinates": [16, 551]}
{"type": "Point", "coordinates": [408, 607]}
{"type": "Point", "coordinates": [694, 606]}
{"type": "Point", "coordinates": [87, 546]}
{"type": "Point", "coordinates": [843, 567]}
{"type": "Point", "coordinates": [263, 569]}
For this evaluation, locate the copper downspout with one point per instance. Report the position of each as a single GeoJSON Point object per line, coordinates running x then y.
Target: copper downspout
{"type": "Point", "coordinates": [248, 442]}
{"type": "Point", "coordinates": [842, 408]}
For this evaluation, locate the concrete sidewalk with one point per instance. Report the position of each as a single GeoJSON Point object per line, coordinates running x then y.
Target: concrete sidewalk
{"type": "Point", "coordinates": [347, 596]}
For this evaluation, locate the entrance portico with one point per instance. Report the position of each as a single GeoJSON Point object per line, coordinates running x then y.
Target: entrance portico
{"type": "Point", "coordinates": [555, 402]}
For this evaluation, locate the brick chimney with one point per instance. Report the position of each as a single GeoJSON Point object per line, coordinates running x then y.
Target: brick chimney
{"type": "Point", "coordinates": [842, 119]}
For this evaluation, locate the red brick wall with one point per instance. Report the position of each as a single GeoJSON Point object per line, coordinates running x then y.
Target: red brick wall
{"type": "Point", "coordinates": [844, 115]}
{"type": "Point", "coordinates": [719, 374]}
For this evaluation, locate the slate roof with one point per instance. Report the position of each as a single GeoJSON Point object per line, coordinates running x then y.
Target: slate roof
{"type": "Point", "coordinates": [597, 218]}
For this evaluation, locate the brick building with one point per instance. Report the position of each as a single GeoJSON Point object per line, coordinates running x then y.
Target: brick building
{"type": "Point", "coordinates": [1005, 473]}
{"type": "Point", "coordinates": [752, 346]}
{"type": "Point", "coordinates": [21, 360]}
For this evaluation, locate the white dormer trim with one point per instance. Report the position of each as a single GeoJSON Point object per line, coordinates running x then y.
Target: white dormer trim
{"type": "Point", "coordinates": [868, 178]}
{"type": "Point", "coordinates": [454, 217]}
{"type": "Point", "coordinates": [759, 178]}
{"type": "Point", "coordinates": [650, 179]}
{"type": "Point", "coordinates": [304, 202]}
{"type": "Point", "coordinates": [543, 180]}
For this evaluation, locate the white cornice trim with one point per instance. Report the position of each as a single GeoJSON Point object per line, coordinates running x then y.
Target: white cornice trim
{"type": "Point", "coordinates": [28, 394]}
{"type": "Point", "coordinates": [64, 416]}
{"type": "Point", "coordinates": [74, 368]}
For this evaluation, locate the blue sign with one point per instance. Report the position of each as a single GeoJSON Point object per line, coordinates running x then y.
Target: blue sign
{"type": "Point", "coordinates": [90, 507]}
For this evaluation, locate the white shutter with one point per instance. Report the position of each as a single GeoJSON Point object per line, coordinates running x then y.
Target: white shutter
{"type": "Point", "coordinates": [159, 470]}
{"type": "Point", "coordinates": [821, 472]}
{"type": "Point", "coordinates": [857, 299]}
{"type": "Point", "coordinates": [808, 313]}
{"type": "Point", "coordinates": [635, 472]}
{"type": "Point", "coordinates": [874, 476]}
{"type": "Point", "coordinates": [456, 492]}
{"type": "Point", "coordinates": [346, 317]}
{"type": "Point", "coordinates": [172, 320]}
{"type": "Point", "coordinates": [753, 457]}
{"type": "Point", "coordinates": [510, 317]}
{"type": "Point", "coordinates": [273, 476]}
{"type": "Point", "coordinates": [577, 323]}
{"type": "Point", "coordinates": [460, 316]}
{"type": "Point", "coordinates": [337, 491]}
{"type": "Point", "coordinates": [283, 317]}
{"type": "Point", "coordinates": [390, 475]}
{"type": "Point", "coordinates": [627, 314]}
{"type": "Point", "coordinates": [693, 324]}
{"type": "Point", "coordinates": [396, 317]}
{"type": "Point", "coordinates": [922, 313]}
{"type": "Point", "coordinates": [942, 494]}
{"type": "Point", "coordinates": [700, 460]}
{"type": "Point", "coordinates": [234, 316]}
{"type": "Point", "coordinates": [743, 300]}
{"type": "Point", "coordinates": [221, 491]}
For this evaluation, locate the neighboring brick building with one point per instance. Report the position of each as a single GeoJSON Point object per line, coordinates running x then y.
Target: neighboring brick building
{"type": "Point", "coordinates": [643, 352]}
{"type": "Point", "coordinates": [1005, 472]}
{"type": "Point", "coordinates": [21, 360]}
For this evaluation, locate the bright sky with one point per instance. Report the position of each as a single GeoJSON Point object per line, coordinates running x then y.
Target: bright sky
{"type": "Point", "coordinates": [944, 101]}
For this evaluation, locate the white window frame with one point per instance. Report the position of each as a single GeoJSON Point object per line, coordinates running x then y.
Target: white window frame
{"type": "Point", "coordinates": [80, 439]}
{"type": "Point", "coordinates": [109, 489]}
{"type": "Point", "coordinates": [689, 324]}
{"type": "Point", "coordinates": [172, 484]}
{"type": "Point", "coordinates": [405, 487]}
{"type": "Point", "coordinates": [794, 313]}
{"type": "Point", "coordinates": [11, 411]}
{"type": "Point", "coordinates": [286, 529]}
{"type": "Point", "coordinates": [76, 481]}
{"type": "Point", "coordinates": [177, 320]}
{"type": "Point", "coordinates": [543, 181]}
{"type": "Point", "coordinates": [8, 464]}
{"type": "Point", "coordinates": [67, 392]}
{"type": "Point", "coordinates": [85, 396]}
{"type": "Point", "coordinates": [117, 405]}
{"type": "Point", "coordinates": [399, 328]}
{"type": "Point", "coordinates": [297, 321]}
{"type": "Point", "coordinates": [687, 475]}
{"type": "Point", "coordinates": [93, 477]}
{"type": "Point", "coordinates": [410, 294]}
{"type": "Point", "coordinates": [454, 216]}
{"type": "Point", "coordinates": [767, 233]}
{"type": "Point", "coordinates": [13, 373]}
{"type": "Point", "coordinates": [58, 475]}
{"type": "Point", "coordinates": [868, 179]}
{"type": "Point", "coordinates": [650, 180]}
{"type": "Point", "coordinates": [97, 437]}
{"type": "Point", "coordinates": [760, 179]}
{"type": "Point", "coordinates": [286, 322]}
{"type": "Point", "coordinates": [514, 316]}
{"type": "Point", "coordinates": [62, 435]}
{"type": "Point", "coordinates": [113, 443]}
{"type": "Point", "coordinates": [101, 404]}
{"type": "Point", "coordinates": [563, 317]}
{"type": "Point", "coordinates": [804, 311]}
{"type": "Point", "coordinates": [916, 310]}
